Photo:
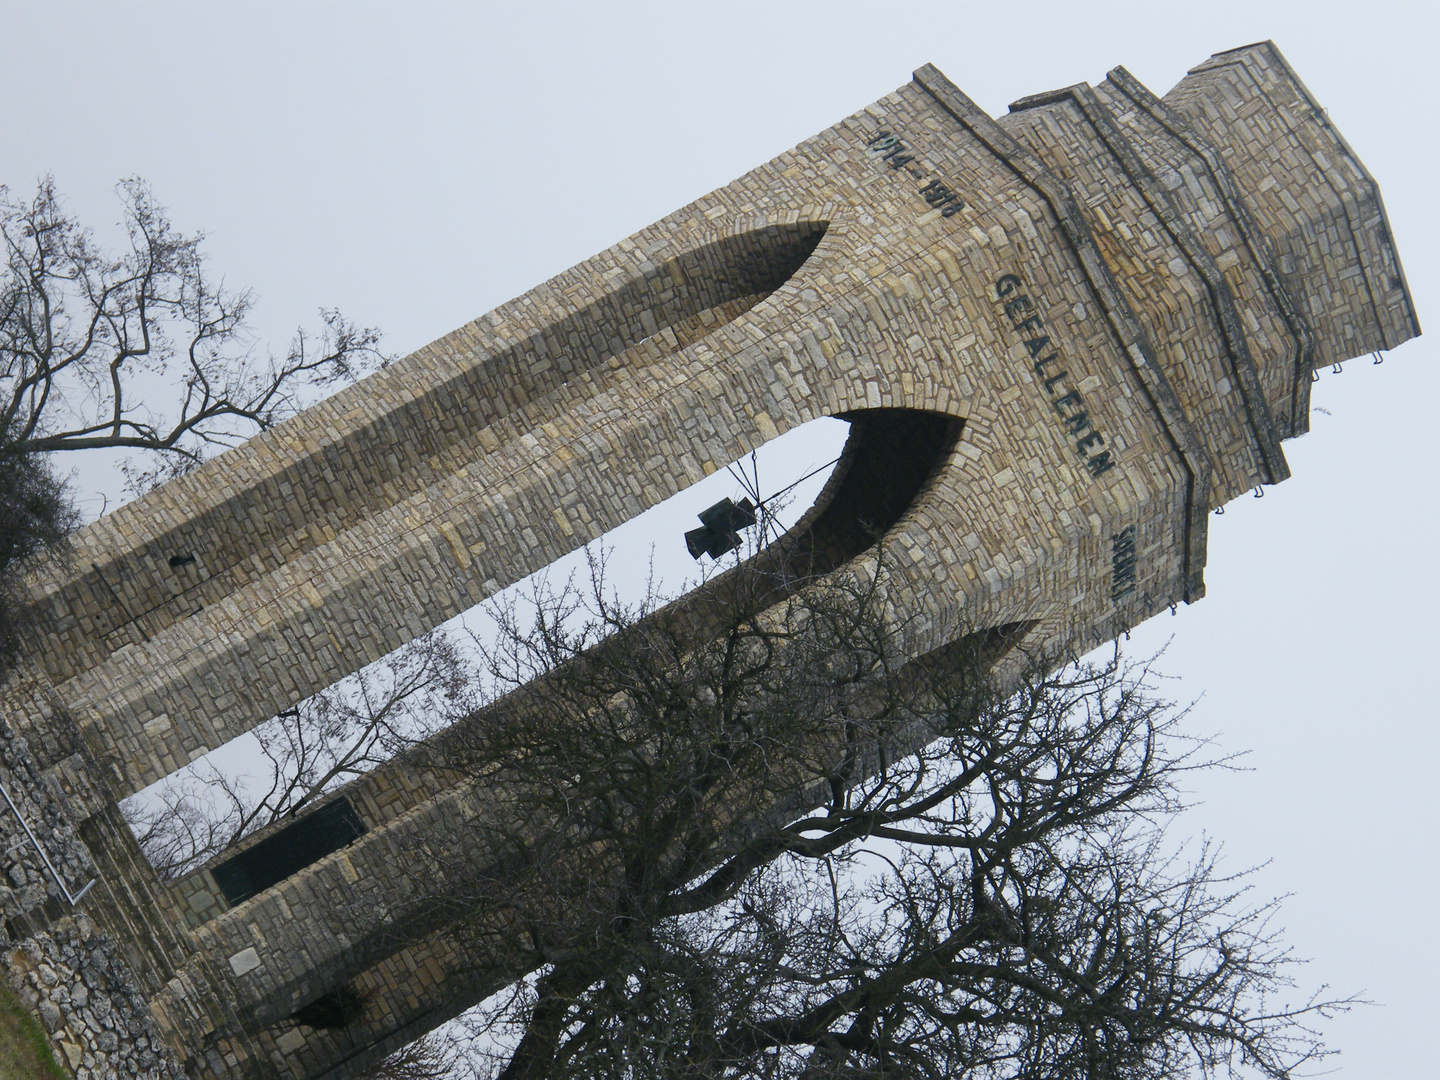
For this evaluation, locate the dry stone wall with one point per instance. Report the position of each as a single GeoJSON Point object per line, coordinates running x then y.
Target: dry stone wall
{"type": "Point", "coordinates": [71, 973]}
{"type": "Point", "coordinates": [84, 994]}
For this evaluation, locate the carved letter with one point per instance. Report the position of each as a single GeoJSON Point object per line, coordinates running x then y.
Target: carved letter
{"type": "Point", "coordinates": [1036, 345]}
{"type": "Point", "coordinates": [1100, 463]}
{"type": "Point", "coordinates": [1060, 403]}
{"type": "Point", "coordinates": [1007, 284]}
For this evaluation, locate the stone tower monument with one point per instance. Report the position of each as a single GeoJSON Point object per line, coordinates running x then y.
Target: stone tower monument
{"type": "Point", "coordinates": [1062, 338]}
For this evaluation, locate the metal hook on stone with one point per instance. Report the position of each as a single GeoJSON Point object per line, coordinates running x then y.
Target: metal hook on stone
{"type": "Point", "coordinates": [1172, 609]}
{"type": "Point", "coordinates": [1337, 370]}
{"type": "Point", "coordinates": [1219, 510]}
{"type": "Point", "coordinates": [1259, 491]}
{"type": "Point", "coordinates": [1314, 375]}
{"type": "Point", "coordinates": [1379, 357]}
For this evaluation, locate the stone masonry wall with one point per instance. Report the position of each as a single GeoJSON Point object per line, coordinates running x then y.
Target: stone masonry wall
{"type": "Point", "coordinates": [29, 894]}
{"type": "Point", "coordinates": [896, 306]}
{"type": "Point", "coordinates": [64, 967]}
{"type": "Point", "coordinates": [99, 1023]}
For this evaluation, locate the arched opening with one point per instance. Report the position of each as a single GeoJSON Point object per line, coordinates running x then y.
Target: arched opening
{"type": "Point", "coordinates": [413, 441]}
{"type": "Point", "coordinates": [888, 458]}
{"type": "Point", "coordinates": [225, 782]}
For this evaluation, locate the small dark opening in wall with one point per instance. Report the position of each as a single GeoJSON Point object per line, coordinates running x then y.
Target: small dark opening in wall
{"type": "Point", "coordinates": [337, 1009]}
{"type": "Point", "coordinates": [177, 561]}
{"type": "Point", "coordinates": [979, 651]}
{"type": "Point", "coordinates": [288, 851]}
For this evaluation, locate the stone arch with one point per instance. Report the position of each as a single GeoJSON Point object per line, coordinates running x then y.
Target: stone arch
{"type": "Point", "coordinates": [889, 457]}
{"type": "Point", "coordinates": [211, 551]}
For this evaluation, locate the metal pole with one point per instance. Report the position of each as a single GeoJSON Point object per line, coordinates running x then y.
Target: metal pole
{"type": "Point", "coordinates": [48, 864]}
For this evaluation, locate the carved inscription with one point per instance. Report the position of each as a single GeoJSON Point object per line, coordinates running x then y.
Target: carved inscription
{"type": "Point", "coordinates": [891, 149]}
{"type": "Point", "coordinates": [1050, 370]}
{"type": "Point", "coordinates": [1122, 564]}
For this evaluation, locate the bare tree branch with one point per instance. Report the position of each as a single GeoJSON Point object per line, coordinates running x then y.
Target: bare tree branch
{"type": "Point", "coordinates": [141, 350]}
{"type": "Point", "coordinates": [305, 752]}
{"type": "Point", "coordinates": [786, 850]}
{"type": "Point", "coordinates": [748, 834]}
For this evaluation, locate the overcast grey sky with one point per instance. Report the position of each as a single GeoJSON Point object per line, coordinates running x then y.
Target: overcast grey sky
{"type": "Point", "coordinates": [416, 164]}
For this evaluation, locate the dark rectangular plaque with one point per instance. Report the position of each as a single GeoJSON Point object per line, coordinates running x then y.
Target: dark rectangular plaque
{"type": "Point", "coordinates": [288, 851]}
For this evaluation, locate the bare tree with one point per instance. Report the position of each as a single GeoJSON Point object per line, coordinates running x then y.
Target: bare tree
{"type": "Point", "coordinates": [83, 333]}
{"type": "Point", "coordinates": [775, 846]}
{"type": "Point", "coordinates": [436, 1056]}
{"type": "Point", "coordinates": [140, 352]}
{"type": "Point", "coordinates": [749, 834]}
